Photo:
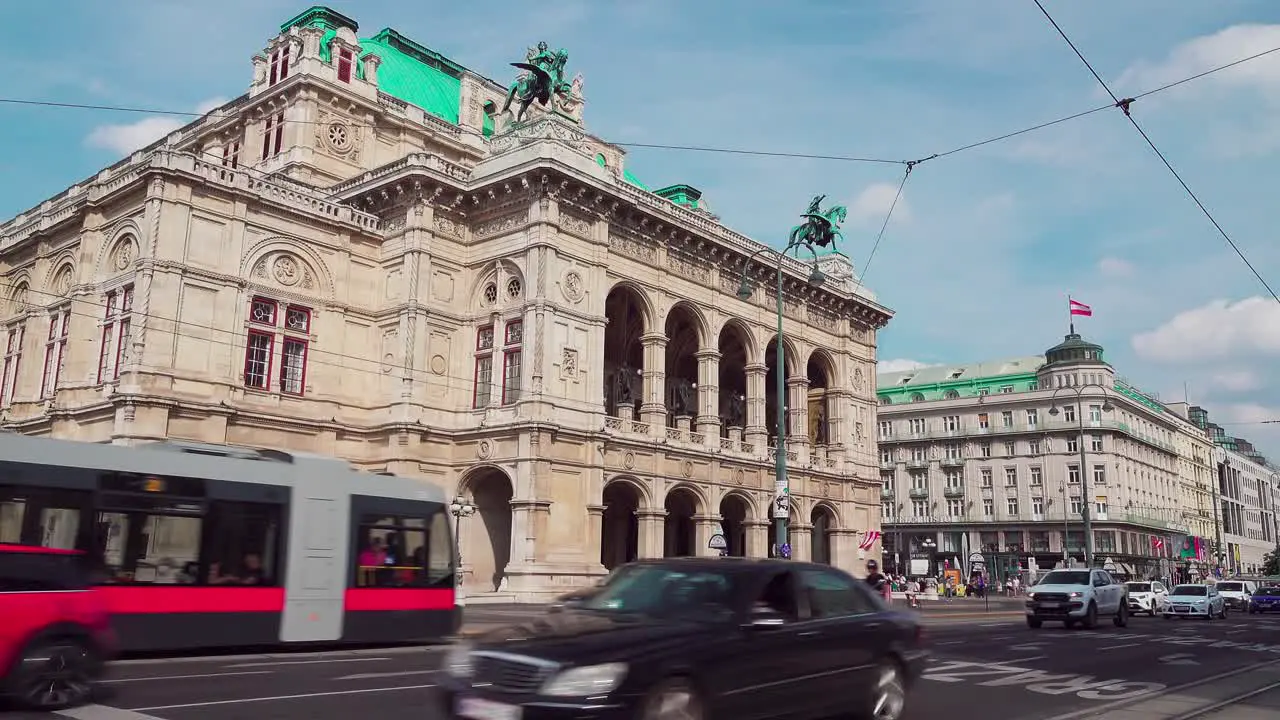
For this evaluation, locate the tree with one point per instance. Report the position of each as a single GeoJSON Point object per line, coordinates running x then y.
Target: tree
{"type": "Point", "coordinates": [1271, 563]}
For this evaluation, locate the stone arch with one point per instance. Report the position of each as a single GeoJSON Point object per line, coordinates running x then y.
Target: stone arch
{"type": "Point", "coordinates": [791, 359]}
{"type": "Point", "coordinates": [790, 353]}
{"type": "Point", "coordinates": [628, 316]}
{"type": "Point", "coordinates": [121, 248]}
{"type": "Point", "coordinates": [685, 328]}
{"type": "Point", "coordinates": [18, 299]}
{"type": "Point", "coordinates": [60, 278]}
{"type": "Point", "coordinates": [823, 521]}
{"type": "Point", "coordinates": [642, 490]}
{"type": "Point", "coordinates": [736, 510]}
{"type": "Point", "coordinates": [737, 348]}
{"type": "Point", "coordinates": [272, 250]}
{"type": "Point", "coordinates": [697, 318]}
{"type": "Point", "coordinates": [623, 499]}
{"type": "Point", "coordinates": [484, 538]}
{"type": "Point", "coordinates": [682, 504]}
{"type": "Point", "coordinates": [823, 383]}
{"type": "Point", "coordinates": [499, 284]}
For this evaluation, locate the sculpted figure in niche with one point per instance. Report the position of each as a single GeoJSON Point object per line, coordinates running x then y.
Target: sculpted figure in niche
{"type": "Point", "coordinates": [682, 397]}
{"type": "Point", "coordinates": [734, 408]}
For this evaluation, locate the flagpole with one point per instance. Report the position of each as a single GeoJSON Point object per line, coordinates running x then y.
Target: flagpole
{"type": "Point", "coordinates": [1071, 318]}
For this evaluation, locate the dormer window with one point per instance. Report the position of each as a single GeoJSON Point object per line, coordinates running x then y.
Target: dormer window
{"type": "Point", "coordinates": [279, 65]}
{"type": "Point", "coordinates": [345, 62]}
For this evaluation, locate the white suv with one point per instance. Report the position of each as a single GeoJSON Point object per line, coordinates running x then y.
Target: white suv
{"type": "Point", "coordinates": [1147, 597]}
{"type": "Point", "coordinates": [1077, 596]}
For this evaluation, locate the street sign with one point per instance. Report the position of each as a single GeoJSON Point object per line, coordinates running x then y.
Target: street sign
{"type": "Point", "coordinates": [976, 558]}
{"type": "Point", "coordinates": [717, 542]}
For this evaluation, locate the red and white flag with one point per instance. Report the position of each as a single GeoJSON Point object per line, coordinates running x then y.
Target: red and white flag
{"type": "Point", "coordinates": [1079, 308]}
{"type": "Point", "coordinates": [869, 539]}
{"type": "Point", "coordinates": [1156, 542]}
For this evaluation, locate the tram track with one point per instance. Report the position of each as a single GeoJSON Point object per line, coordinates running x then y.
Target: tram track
{"type": "Point", "coordinates": [1212, 709]}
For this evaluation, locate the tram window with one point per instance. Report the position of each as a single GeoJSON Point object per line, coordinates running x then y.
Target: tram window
{"type": "Point", "coordinates": [139, 547]}
{"type": "Point", "coordinates": [41, 516]}
{"type": "Point", "coordinates": [241, 544]}
{"type": "Point", "coordinates": [391, 552]}
{"type": "Point", "coordinates": [440, 551]}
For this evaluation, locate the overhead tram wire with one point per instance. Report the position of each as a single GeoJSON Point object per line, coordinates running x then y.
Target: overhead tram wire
{"type": "Point", "coordinates": [696, 148]}
{"type": "Point", "coordinates": [1125, 106]}
{"type": "Point", "coordinates": [862, 278]}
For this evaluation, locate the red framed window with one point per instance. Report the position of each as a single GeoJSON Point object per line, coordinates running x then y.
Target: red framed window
{"type": "Point", "coordinates": [12, 363]}
{"type": "Point", "coordinates": [483, 393]}
{"type": "Point", "coordinates": [512, 339]}
{"type": "Point", "coordinates": [114, 351]}
{"type": "Point", "coordinates": [273, 135]}
{"type": "Point", "coordinates": [55, 351]}
{"type": "Point", "coordinates": [345, 62]}
{"type": "Point", "coordinates": [274, 324]}
{"type": "Point", "coordinates": [279, 65]}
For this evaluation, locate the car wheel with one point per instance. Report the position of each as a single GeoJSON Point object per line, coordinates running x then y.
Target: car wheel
{"type": "Point", "coordinates": [54, 675]}
{"type": "Point", "coordinates": [1034, 623]}
{"type": "Point", "coordinates": [1090, 620]}
{"type": "Point", "coordinates": [1122, 617]}
{"type": "Point", "coordinates": [673, 699]}
{"type": "Point", "coordinates": [1223, 614]}
{"type": "Point", "coordinates": [888, 697]}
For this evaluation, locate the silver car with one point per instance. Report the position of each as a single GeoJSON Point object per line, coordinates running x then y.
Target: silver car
{"type": "Point", "coordinates": [1203, 601]}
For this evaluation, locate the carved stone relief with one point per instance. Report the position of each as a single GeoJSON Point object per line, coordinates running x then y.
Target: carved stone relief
{"type": "Point", "coordinates": [284, 269]}
{"type": "Point", "coordinates": [123, 254]}
{"type": "Point", "coordinates": [21, 298]}
{"type": "Point", "coordinates": [446, 226]}
{"type": "Point", "coordinates": [499, 225]}
{"type": "Point", "coordinates": [338, 136]}
{"type": "Point", "coordinates": [62, 282]}
{"type": "Point", "coordinates": [575, 224]}
{"type": "Point", "coordinates": [569, 364]}
{"type": "Point", "coordinates": [688, 267]}
{"type": "Point", "coordinates": [573, 287]}
{"type": "Point", "coordinates": [633, 247]}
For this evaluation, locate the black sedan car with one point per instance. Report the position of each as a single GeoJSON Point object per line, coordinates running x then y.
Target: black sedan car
{"type": "Point", "coordinates": [694, 638]}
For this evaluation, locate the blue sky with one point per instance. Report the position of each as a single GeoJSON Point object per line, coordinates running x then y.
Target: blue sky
{"type": "Point", "coordinates": [987, 243]}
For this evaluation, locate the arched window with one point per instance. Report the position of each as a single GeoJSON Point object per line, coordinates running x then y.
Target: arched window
{"type": "Point", "coordinates": [917, 397]}
{"type": "Point", "coordinates": [950, 395]}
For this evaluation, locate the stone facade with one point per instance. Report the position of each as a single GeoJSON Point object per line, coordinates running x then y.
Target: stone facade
{"type": "Point", "coordinates": [323, 266]}
{"type": "Point", "coordinates": [1246, 499]}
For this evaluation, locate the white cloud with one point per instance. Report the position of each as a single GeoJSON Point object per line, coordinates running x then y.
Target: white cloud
{"type": "Point", "coordinates": [1236, 380]}
{"type": "Point", "coordinates": [873, 203]}
{"type": "Point", "coordinates": [1210, 51]}
{"type": "Point", "coordinates": [124, 139]}
{"type": "Point", "coordinates": [1243, 414]}
{"type": "Point", "coordinates": [1114, 267]}
{"type": "Point", "coordinates": [899, 365]}
{"type": "Point", "coordinates": [1216, 330]}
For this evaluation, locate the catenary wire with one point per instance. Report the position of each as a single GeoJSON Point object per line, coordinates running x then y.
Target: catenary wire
{"type": "Point", "coordinates": [1124, 106]}
{"type": "Point", "coordinates": [866, 267]}
{"type": "Point", "coordinates": [696, 148]}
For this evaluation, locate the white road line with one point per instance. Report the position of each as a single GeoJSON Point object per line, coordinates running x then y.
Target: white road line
{"type": "Point", "coordinates": [1117, 647]}
{"type": "Point", "coordinates": [102, 712]}
{"type": "Point", "coordinates": [950, 642]}
{"type": "Point", "coordinates": [308, 662]}
{"type": "Point", "coordinates": [184, 677]}
{"type": "Point", "coordinates": [301, 696]}
{"type": "Point", "coordinates": [402, 673]}
{"type": "Point", "coordinates": [1002, 624]}
{"type": "Point", "coordinates": [1015, 661]}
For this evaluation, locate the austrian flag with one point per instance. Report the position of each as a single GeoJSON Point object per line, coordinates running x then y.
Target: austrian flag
{"type": "Point", "coordinates": [1157, 543]}
{"type": "Point", "coordinates": [1079, 308]}
{"type": "Point", "coordinates": [869, 539]}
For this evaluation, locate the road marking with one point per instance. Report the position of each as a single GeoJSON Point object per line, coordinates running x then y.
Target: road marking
{"type": "Point", "coordinates": [185, 677]}
{"type": "Point", "coordinates": [301, 696]}
{"type": "Point", "coordinates": [950, 642]}
{"type": "Point", "coordinates": [994, 624]}
{"type": "Point", "coordinates": [402, 673]}
{"type": "Point", "coordinates": [309, 662]}
{"type": "Point", "coordinates": [1025, 659]}
{"type": "Point", "coordinates": [102, 712]}
{"type": "Point", "coordinates": [1200, 712]}
{"type": "Point", "coordinates": [1117, 647]}
{"type": "Point", "coordinates": [1178, 659]}
{"type": "Point", "coordinates": [1027, 646]}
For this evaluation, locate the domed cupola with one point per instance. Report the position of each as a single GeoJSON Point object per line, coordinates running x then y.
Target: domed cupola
{"type": "Point", "coordinates": [1073, 362]}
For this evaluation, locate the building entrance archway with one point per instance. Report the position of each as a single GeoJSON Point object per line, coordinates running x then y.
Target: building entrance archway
{"type": "Point", "coordinates": [620, 525]}
{"type": "Point", "coordinates": [823, 523]}
{"type": "Point", "coordinates": [734, 514]}
{"type": "Point", "coordinates": [486, 535]}
{"type": "Point", "coordinates": [679, 530]}
{"type": "Point", "coordinates": [626, 317]}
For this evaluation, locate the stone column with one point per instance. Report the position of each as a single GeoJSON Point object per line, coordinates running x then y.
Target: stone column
{"type": "Point", "coordinates": [650, 543]}
{"type": "Point", "coordinates": [709, 395]}
{"type": "Point", "coordinates": [757, 538]}
{"type": "Point", "coordinates": [756, 432]}
{"type": "Point", "coordinates": [801, 541]}
{"type": "Point", "coordinates": [798, 417]}
{"type": "Point", "coordinates": [844, 552]}
{"type": "Point", "coordinates": [653, 406]}
{"type": "Point", "coordinates": [705, 527]}
{"type": "Point", "coordinates": [595, 532]}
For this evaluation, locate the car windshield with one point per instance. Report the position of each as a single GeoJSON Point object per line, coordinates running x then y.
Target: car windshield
{"type": "Point", "coordinates": [663, 591]}
{"type": "Point", "coordinates": [1139, 587]}
{"type": "Point", "coordinates": [1270, 591]}
{"type": "Point", "coordinates": [1066, 577]}
{"type": "Point", "coordinates": [1230, 587]}
{"type": "Point", "coordinates": [1191, 590]}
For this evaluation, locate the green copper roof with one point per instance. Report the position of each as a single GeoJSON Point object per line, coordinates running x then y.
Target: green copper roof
{"type": "Point", "coordinates": [416, 75]}
{"type": "Point", "coordinates": [684, 195]}
{"type": "Point", "coordinates": [320, 16]}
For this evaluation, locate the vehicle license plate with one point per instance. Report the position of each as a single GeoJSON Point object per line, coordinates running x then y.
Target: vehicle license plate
{"type": "Point", "coordinates": [1049, 605]}
{"type": "Point", "coordinates": [1182, 608]}
{"type": "Point", "coordinates": [480, 709]}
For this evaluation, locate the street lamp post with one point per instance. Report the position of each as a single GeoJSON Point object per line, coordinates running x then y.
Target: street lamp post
{"type": "Point", "coordinates": [459, 508]}
{"type": "Point", "coordinates": [821, 229]}
{"type": "Point", "coordinates": [1086, 521]}
{"type": "Point", "coordinates": [1224, 466]}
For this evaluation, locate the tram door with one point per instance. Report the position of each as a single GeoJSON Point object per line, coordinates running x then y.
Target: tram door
{"type": "Point", "coordinates": [317, 557]}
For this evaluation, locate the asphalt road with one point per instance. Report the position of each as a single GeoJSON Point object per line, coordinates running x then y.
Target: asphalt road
{"type": "Point", "coordinates": [993, 666]}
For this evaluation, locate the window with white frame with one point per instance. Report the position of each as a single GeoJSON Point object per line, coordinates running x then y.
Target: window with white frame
{"type": "Point", "coordinates": [916, 426]}
{"type": "Point", "coordinates": [279, 68]}
{"type": "Point", "coordinates": [1033, 418]}
{"type": "Point", "coordinates": [274, 324]}
{"type": "Point", "coordinates": [1100, 507]}
{"type": "Point", "coordinates": [13, 337]}
{"type": "Point", "coordinates": [1037, 476]}
{"type": "Point", "coordinates": [886, 429]}
{"type": "Point", "coordinates": [272, 135]}
{"type": "Point", "coordinates": [1069, 413]}
{"type": "Point", "coordinates": [1073, 474]}
{"type": "Point", "coordinates": [919, 508]}
{"type": "Point", "coordinates": [1011, 477]}
{"type": "Point", "coordinates": [918, 455]}
{"type": "Point", "coordinates": [919, 481]}
{"type": "Point", "coordinates": [1095, 443]}
{"type": "Point", "coordinates": [1010, 449]}
{"type": "Point", "coordinates": [55, 350]}
{"type": "Point", "coordinates": [1037, 506]}
{"type": "Point", "coordinates": [985, 475]}
{"type": "Point", "coordinates": [483, 392]}
{"type": "Point", "coordinates": [1095, 414]}
{"type": "Point", "coordinates": [886, 455]}
{"type": "Point", "coordinates": [953, 452]}
{"type": "Point", "coordinates": [984, 450]}
{"type": "Point", "coordinates": [1077, 505]}
{"type": "Point", "coordinates": [113, 352]}
{"type": "Point", "coordinates": [513, 337]}
{"type": "Point", "coordinates": [1011, 505]}
{"type": "Point", "coordinates": [1006, 419]}
{"type": "Point", "coordinates": [988, 507]}
{"type": "Point", "coordinates": [954, 479]}
{"type": "Point", "coordinates": [1033, 447]}
{"type": "Point", "coordinates": [984, 421]}
{"type": "Point", "coordinates": [886, 510]}
{"type": "Point", "coordinates": [1073, 445]}
{"type": "Point", "coordinates": [1006, 389]}
{"type": "Point", "coordinates": [1099, 474]}
{"type": "Point", "coordinates": [951, 423]}
{"type": "Point", "coordinates": [955, 508]}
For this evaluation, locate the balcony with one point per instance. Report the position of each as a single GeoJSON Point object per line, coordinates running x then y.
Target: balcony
{"type": "Point", "coordinates": [888, 465]}
{"type": "Point", "coordinates": [886, 494]}
{"type": "Point", "coordinates": [952, 462]}
{"type": "Point", "coordinates": [919, 493]}
{"type": "Point", "coordinates": [953, 491]}
{"type": "Point", "coordinates": [918, 464]}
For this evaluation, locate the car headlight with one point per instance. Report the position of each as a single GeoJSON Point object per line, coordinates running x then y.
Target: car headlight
{"type": "Point", "coordinates": [457, 662]}
{"type": "Point", "coordinates": [586, 681]}
{"type": "Point", "coordinates": [1031, 596]}
{"type": "Point", "coordinates": [1075, 595]}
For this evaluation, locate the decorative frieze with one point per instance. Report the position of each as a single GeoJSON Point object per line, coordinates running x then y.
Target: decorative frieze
{"type": "Point", "coordinates": [633, 247]}
{"type": "Point", "coordinates": [577, 225]}
{"type": "Point", "coordinates": [687, 267]}
{"type": "Point", "coordinates": [500, 225]}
